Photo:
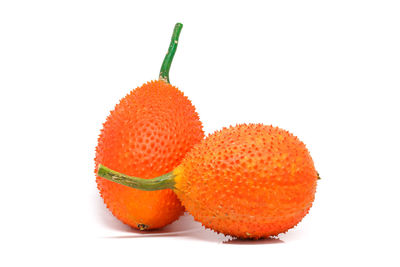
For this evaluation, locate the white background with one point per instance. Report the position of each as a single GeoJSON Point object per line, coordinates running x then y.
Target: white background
{"type": "Point", "coordinates": [328, 71]}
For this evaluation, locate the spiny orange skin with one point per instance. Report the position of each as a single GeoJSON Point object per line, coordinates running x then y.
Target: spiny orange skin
{"type": "Point", "coordinates": [146, 135]}
{"type": "Point", "coordinates": [249, 181]}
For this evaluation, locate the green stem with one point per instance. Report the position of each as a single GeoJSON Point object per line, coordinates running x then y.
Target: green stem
{"type": "Point", "coordinates": [166, 65]}
{"type": "Point", "coordinates": [165, 181]}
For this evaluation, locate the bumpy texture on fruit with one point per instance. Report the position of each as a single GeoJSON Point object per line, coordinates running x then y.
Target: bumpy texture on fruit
{"type": "Point", "coordinates": [249, 181]}
{"type": "Point", "coordinates": [146, 135]}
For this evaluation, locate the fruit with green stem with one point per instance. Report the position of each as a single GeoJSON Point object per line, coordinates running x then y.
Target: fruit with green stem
{"type": "Point", "coordinates": [147, 134]}
{"type": "Point", "coordinates": [248, 181]}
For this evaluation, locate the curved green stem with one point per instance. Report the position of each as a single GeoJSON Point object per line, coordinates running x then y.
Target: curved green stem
{"type": "Point", "coordinates": [165, 181]}
{"type": "Point", "coordinates": [166, 65]}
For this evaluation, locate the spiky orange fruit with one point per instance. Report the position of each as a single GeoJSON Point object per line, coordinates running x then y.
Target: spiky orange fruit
{"type": "Point", "coordinates": [146, 135]}
{"type": "Point", "coordinates": [249, 181]}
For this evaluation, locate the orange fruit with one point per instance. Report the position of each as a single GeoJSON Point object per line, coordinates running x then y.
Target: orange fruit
{"type": "Point", "coordinates": [147, 134]}
{"type": "Point", "coordinates": [248, 181]}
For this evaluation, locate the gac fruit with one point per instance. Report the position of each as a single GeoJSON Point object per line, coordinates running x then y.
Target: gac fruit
{"type": "Point", "coordinates": [248, 181]}
{"type": "Point", "coordinates": [147, 134]}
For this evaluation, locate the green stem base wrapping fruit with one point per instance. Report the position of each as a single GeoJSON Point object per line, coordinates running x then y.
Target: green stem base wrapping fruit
{"type": "Point", "coordinates": [165, 181]}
